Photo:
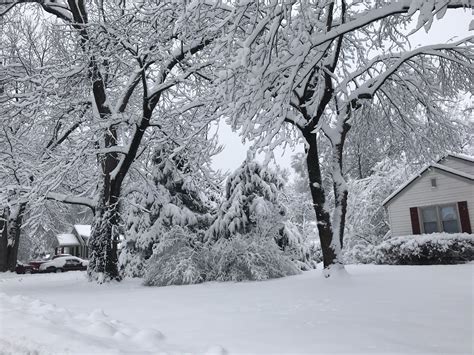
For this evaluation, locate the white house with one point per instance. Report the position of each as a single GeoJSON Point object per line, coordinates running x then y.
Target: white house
{"type": "Point", "coordinates": [440, 198]}
{"type": "Point", "coordinates": [75, 242]}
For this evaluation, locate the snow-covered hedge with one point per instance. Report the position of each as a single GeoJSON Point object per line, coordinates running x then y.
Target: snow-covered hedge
{"type": "Point", "coordinates": [436, 248]}
{"type": "Point", "coordinates": [181, 258]}
{"type": "Point", "coordinates": [359, 254]}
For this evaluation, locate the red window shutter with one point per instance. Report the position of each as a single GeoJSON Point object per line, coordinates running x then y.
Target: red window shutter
{"type": "Point", "coordinates": [464, 216]}
{"type": "Point", "coordinates": [415, 221]}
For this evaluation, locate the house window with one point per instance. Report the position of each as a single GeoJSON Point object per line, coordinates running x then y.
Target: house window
{"type": "Point", "coordinates": [433, 182]}
{"type": "Point", "coordinates": [449, 219]}
{"type": "Point", "coordinates": [440, 219]}
{"type": "Point", "coordinates": [430, 219]}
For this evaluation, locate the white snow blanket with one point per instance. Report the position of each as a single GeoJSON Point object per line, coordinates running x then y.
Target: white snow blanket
{"type": "Point", "coordinates": [375, 309]}
{"type": "Point", "coordinates": [30, 326]}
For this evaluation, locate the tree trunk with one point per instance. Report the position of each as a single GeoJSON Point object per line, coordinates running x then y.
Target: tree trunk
{"type": "Point", "coordinates": [340, 191]}
{"type": "Point", "coordinates": [13, 235]}
{"type": "Point", "coordinates": [3, 241]}
{"type": "Point", "coordinates": [330, 257]}
{"type": "Point", "coordinates": [103, 264]}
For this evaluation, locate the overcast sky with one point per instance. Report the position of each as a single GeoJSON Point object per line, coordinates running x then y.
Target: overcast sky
{"type": "Point", "coordinates": [454, 24]}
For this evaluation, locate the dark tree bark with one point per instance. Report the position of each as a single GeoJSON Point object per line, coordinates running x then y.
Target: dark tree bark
{"type": "Point", "coordinates": [103, 241]}
{"type": "Point", "coordinates": [3, 241]}
{"type": "Point", "coordinates": [12, 230]}
{"type": "Point", "coordinates": [340, 190]}
{"type": "Point", "coordinates": [319, 200]}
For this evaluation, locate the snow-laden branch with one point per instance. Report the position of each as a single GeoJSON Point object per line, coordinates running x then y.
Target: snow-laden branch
{"type": "Point", "coordinates": [114, 149]}
{"type": "Point", "coordinates": [124, 98]}
{"type": "Point", "coordinates": [178, 55]}
{"type": "Point", "coordinates": [72, 200]}
{"type": "Point", "coordinates": [409, 7]}
{"type": "Point", "coordinates": [56, 7]}
{"type": "Point", "coordinates": [368, 89]}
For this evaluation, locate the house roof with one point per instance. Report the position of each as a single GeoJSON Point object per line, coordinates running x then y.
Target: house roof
{"type": "Point", "coordinates": [84, 230]}
{"type": "Point", "coordinates": [67, 239]}
{"type": "Point", "coordinates": [458, 156]}
{"type": "Point", "coordinates": [437, 166]}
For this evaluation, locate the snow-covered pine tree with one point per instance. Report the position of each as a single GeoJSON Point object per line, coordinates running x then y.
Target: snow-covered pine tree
{"type": "Point", "coordinates": [251, 191]}
{"type": "Point", "coordinates": [174, 197]}
{"type": "Point", "coordinates": [253, 206]}
{"type": "Point", "coordinates": [251, 237]}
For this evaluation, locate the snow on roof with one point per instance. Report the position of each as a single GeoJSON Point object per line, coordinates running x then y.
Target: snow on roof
{"type": "Point", "coordinates": [67, 239]}
{"type": "Point", "coordinates": [422, 171]}
{"type": "Point", "coordinates": [453, 171]}
{"type": "Point", "coordinates": [458, 156]}
{"type": "Point", "coordinates": [84, 230]}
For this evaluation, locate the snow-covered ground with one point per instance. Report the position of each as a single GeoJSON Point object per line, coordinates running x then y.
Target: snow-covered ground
{"type": "Point", "coordinates": [376, 309]}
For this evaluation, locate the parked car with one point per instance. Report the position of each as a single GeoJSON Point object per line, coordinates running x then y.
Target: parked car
{"type": "Point", "coordinates": [22, 268]}
{"type": "Point", "coordinates": [59, 256]}
{"type": "Point", "coordinates": [64, 263]}
{"type": "Point", "coordinates": [31, 268]}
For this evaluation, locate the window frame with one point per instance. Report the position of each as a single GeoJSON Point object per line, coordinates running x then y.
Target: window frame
{"type": "Point", "coordinates": [439, 221]}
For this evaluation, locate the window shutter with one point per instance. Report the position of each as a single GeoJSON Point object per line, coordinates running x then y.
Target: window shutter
{"type": "Point", "coordinates": [415, 221]}
{"type": "Point", "coordinates": [464, 216]}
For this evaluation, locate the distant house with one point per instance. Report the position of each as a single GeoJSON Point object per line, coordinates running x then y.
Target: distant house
{"type": "Point", "coordinates": [440, 198]}
{"type": "Point", "coordinates": [75, 242]}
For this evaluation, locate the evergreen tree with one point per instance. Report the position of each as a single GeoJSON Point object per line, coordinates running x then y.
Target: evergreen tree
{"type": "Point", "coordinates": [254, 206]}
{"type": "Point", "coordinates": [174, 197]}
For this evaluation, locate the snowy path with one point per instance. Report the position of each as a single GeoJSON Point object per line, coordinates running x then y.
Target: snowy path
{"type": "Point", "coordinates": [377, 309]}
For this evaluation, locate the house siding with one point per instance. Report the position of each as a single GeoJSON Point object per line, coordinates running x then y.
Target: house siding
{"type": "Point", "coordinates": [449, 189]}
{"type": "Point", "coordinates": [458, 164]}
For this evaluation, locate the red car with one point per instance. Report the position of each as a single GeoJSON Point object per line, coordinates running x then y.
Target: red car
{"type": "Point", "coordinates": [30, 268]}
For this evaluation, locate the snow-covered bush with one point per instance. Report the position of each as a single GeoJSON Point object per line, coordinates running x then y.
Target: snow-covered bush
{"type": "Point", "coordinates": [360, 254]}
{"type": "Point", "coordinates": [436, 248]}
{"type": "Point", "coordinates": [182, 258]}
{"type": "Point", "coordinates": [178, 259]}
{"type": "Point", "coordinates": [249, 257]}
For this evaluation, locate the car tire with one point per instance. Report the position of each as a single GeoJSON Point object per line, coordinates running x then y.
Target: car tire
{"type": "Point", "coordinates": [58, 270]}
{"type": "Point", "coordinates": [27, 271]}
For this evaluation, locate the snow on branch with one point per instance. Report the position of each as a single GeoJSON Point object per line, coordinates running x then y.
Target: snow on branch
{"type": "Point", "coordinates": [177, 56]}
{"type": "Point", "coordinates": [72, 200]}
{"type": "Point", "coordinates": [427, 9]}
{"type": "Point", "coordinates": [55, 7]}
{"type": "Point", "coordinates": [368, 89]}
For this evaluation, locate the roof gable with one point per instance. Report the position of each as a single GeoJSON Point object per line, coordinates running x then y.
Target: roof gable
{"type": "Point", "coordinates": [435, 166]}
{"type": "Point", "coordinates": [83, 230]}
{"type": "Point", "coordinates": [67, 239]}
{"type": "Point", "coordinates": [460, 157]}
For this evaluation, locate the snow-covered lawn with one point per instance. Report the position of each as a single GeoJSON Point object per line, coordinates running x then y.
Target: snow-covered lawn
{"type": "Point", "coordinates": [376, 309]}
